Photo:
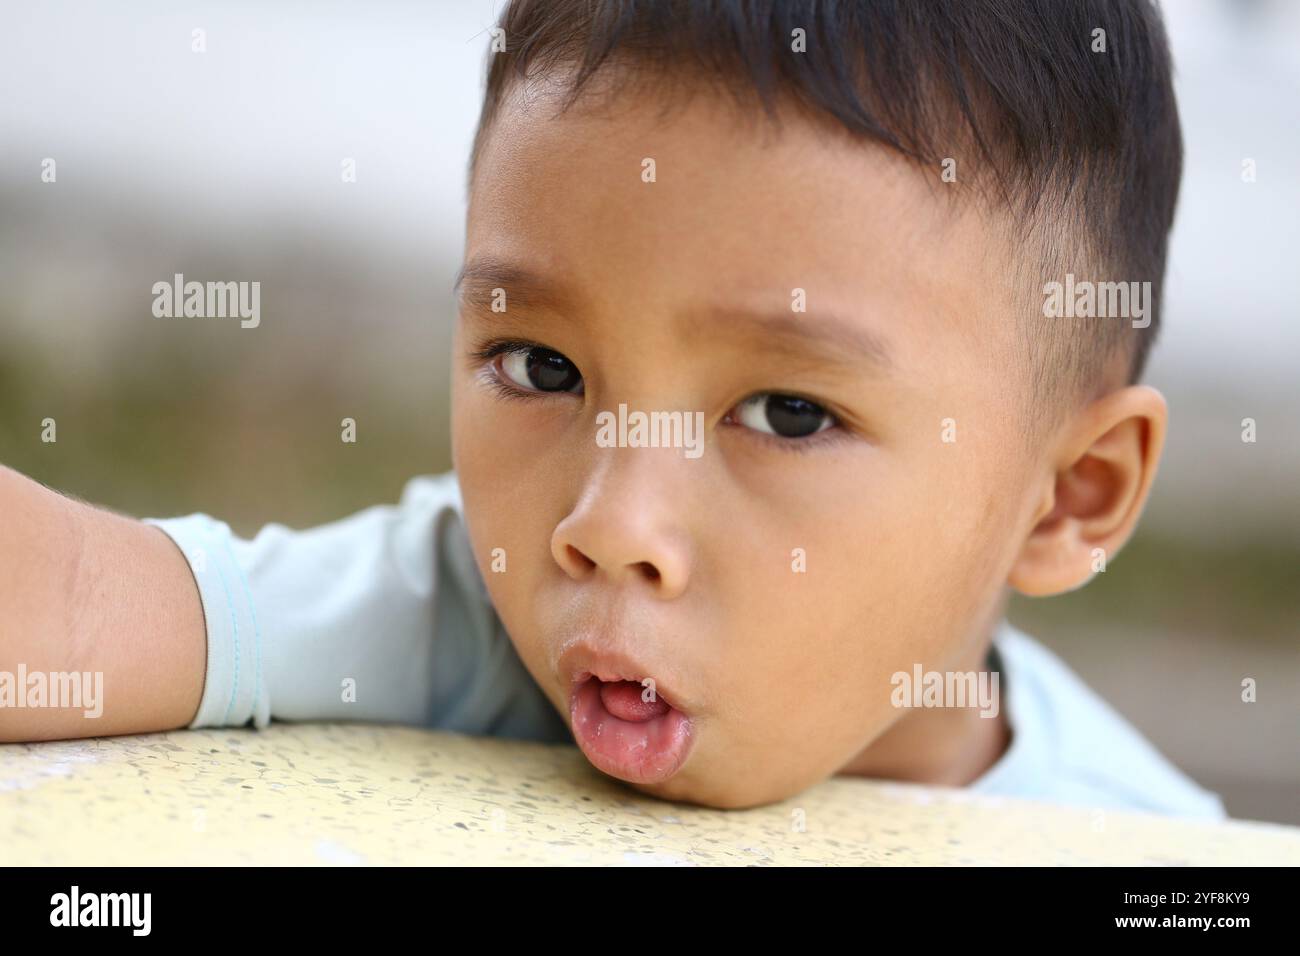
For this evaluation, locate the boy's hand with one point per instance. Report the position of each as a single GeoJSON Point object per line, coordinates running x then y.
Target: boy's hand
{"type": "Point", "coordinates": [84, 593]}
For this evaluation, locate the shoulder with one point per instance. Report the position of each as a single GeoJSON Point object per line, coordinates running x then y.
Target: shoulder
{"type": "Point", "coordinates": [493, 693]}
{"type": "Point", "coordinates": [433, 489]}
{"type": "Point", "coordinates": [1070, 745]}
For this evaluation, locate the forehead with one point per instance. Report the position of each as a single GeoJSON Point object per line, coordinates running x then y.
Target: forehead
{"type": "Point", "coordinates": [674, 202]}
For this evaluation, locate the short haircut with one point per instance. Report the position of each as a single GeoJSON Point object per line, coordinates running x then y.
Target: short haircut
{"type": "Point", "coordinates": [1080, 145]}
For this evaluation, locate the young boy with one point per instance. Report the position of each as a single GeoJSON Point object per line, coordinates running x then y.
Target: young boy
{"type": "Point", "coordinates": [764, 400]}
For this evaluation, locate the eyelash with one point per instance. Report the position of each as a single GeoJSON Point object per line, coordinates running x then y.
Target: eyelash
{"type": "Point", "coordinates": [490, 349]}
{"type": "Point", "coordinates": [487, 353]}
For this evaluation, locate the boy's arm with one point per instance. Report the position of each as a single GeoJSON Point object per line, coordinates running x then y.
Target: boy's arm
{"type": "Point", "coordinates": [87, 592]}
{"type": "Point", "coordinates": [378, 616]}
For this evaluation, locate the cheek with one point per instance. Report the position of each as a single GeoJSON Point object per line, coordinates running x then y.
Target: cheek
{"type": "Point", "coordinates": [511, 491]}
{"type": "Point", "coordinates": [864, 579]}
{"type": "Point", "coordinates": [482, 453]}
{"type": "Point", "coordinates": [808, 614]}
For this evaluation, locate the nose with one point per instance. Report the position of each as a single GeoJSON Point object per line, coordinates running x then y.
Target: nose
{"type": "Point", "coordinates": [628, 525]}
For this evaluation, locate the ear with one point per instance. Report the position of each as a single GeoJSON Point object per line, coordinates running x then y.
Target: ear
{"type": "Point", "coordinates": [1099, 479]}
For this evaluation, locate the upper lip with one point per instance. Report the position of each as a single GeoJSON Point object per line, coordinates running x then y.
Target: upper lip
{"type": "Point", "coordinates": [582, 659]}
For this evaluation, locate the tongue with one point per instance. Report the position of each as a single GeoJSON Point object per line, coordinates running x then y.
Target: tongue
{"type": "Point", "coordinates": [623, 700]}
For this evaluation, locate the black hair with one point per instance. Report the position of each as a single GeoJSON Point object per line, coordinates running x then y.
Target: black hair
{"type": "Point", "coordinates": [1063, 109]}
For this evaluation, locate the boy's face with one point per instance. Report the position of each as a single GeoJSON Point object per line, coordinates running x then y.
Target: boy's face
{"type": "Point", "coordinates": [772, 583]}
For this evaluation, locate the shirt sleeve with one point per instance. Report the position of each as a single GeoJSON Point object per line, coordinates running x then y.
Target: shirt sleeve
{"type": "Point", "coordinates": [380, 616]}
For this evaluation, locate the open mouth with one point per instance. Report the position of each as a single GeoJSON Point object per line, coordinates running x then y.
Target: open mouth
{"type": "Point", "coordinates": [627, 731]}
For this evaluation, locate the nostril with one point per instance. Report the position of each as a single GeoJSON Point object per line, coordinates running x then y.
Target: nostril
{"type": "Point", "coordinates": [580, 560]}
{"type": "Point", "coordinates": [649, 570]}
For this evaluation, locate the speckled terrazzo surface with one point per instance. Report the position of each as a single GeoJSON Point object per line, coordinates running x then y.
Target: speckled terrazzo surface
{"type": "Point", "coordinates": [366, 794]}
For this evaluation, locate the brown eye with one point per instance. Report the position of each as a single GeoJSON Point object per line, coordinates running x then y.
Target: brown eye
{"type": "Point", "coordinates": [541, 369]}
{"type": "Point", "coordinates": [787, 416]}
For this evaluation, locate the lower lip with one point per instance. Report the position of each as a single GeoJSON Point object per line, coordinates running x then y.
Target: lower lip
{"type": "Point", "coordinates": [638, 751]}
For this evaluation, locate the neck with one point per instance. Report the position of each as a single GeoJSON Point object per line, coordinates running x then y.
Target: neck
{"type": "Point", "coordinates": [944, 746]}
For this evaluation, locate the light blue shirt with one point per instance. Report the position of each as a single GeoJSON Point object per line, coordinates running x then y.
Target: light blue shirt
{"type": "Point", "coordinates": [383, 616]}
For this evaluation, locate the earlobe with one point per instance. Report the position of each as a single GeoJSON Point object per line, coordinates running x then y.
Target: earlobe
{"type": "Point", "coordinates": [1096, 492]}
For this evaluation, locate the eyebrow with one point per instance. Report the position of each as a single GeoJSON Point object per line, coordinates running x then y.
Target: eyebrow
{"type": "Point", "coordinates": [829, 335]}
{"type": "Point", "coordinates": [479, 277]}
